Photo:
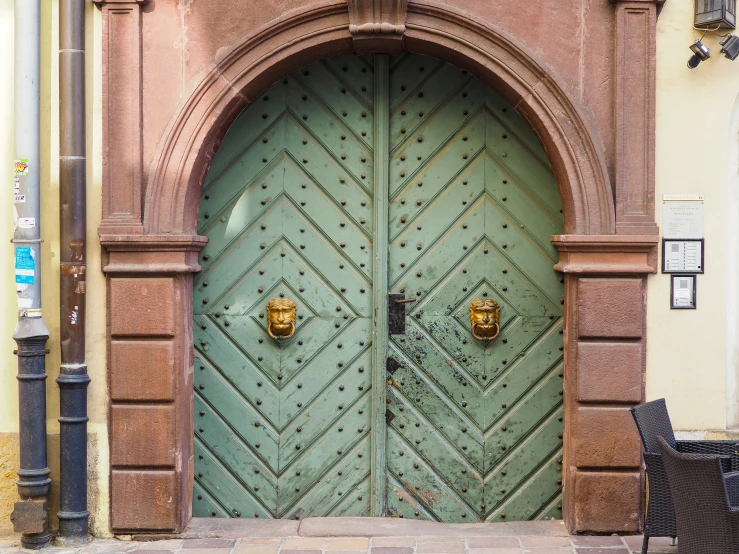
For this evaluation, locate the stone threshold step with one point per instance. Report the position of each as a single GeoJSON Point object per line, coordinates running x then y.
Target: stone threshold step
{"type": "Point", "coordinates": [359, 527]}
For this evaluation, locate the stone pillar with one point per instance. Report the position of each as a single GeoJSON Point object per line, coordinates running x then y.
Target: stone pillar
{"type": "Point", "coordinates": [636, 22]}
{"type": "Point", "coordinates": [150, 372]}
{"type": "Point", "coordinates": [122, 117]}
{"type": "Point", "coordinates": [605, 357]}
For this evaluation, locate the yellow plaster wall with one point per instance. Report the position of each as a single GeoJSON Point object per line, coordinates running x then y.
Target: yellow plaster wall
{"type": "Point", "coordinates": [96, 323]}
{"type": "Point", "coordinates": [686, 353]}
{"type": "Point", "coordinates": [8, 387]}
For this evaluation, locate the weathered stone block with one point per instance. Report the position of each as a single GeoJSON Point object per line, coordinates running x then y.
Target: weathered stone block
{"type": "Point", "coordinates": [607, 502]}
{"type": "Point", "coordinates": [142, 435]}
{"type": "Point", "coordinates": [142, 307]}
{"type": "Point", "coordinates": [143, 500]}
{"type": "Point", "coordinates": [604, 438]}
{"type": "Point", "coordinates": [610, 308]}
{"type": "Point", "coordinates": [142, 370]}
{"type": "Point", "coordinates": [609, 372]}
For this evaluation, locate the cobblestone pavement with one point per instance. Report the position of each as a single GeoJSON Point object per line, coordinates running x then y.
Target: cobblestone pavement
{"type": "Point", "coordinates": [365, 537]}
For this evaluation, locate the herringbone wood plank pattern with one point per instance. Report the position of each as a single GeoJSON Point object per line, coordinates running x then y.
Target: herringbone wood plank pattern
{"type": "Point", "coordinates": [283, 428]}
{"type": "Point", "coordinates": [475, 428]}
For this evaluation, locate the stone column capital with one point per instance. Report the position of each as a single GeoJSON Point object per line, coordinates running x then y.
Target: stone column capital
{"type": "Point", "coordinates": [377, 25]}
{"type": "Point", "coordinates": [104, 2]}
{"type": "Point", "coordinates": [606, 254]}
{"type": "Point", "coordinates": [658, 2]}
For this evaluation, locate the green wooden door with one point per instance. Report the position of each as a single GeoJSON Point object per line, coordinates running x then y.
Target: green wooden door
{"type": "Point", "coordinates": [295, 428]}
{"type": "Point", "coordinates": [475, 427]}
{"type": "Point", "coordinates": [282, 429]}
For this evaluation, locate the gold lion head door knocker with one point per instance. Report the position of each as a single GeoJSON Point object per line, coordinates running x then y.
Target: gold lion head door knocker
{"type": "Point", "coordinates": [485, 319]}
{"type": "Point", "coordinates": [281, 318]}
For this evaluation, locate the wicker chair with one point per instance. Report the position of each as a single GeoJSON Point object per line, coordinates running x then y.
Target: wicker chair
{"type": "Point", "coordinates": [706, 502]}
{"type": "Point", "coordinates": [653, 421]}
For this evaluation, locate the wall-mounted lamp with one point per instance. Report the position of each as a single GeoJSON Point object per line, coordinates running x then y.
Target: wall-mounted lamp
{"type": "Point", "coordinates": [700, 53]}
{"type": "Point", "coordinates": [715, 14]}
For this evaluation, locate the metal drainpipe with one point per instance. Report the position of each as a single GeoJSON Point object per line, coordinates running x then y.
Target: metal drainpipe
{"type": "Point", "coordinates": [30, 514]}
{"type": "Point", "coordinates": [73, 379]}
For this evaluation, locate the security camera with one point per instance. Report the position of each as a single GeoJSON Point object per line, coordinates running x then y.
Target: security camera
{"type": "Point", "coordinates": [700, 54]}
{"type": "Point", "coordinates": [730, 46]}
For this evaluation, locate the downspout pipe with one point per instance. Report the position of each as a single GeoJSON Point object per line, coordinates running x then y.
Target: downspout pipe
{"type": "Point", "coordinates": [30, 514]}
{"type": "Point", "coordinates": [73, 378]}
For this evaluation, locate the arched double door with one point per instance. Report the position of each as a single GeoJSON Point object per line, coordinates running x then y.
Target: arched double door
{"type": "Point", "coordinates": [385, 199]}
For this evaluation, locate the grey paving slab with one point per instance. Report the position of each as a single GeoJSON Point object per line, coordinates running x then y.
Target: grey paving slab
{"type": "Point", "coordinates": [385, 527]}
{"type": "Point", "coordinates": [208, 543]}
{"type": "Point", "coordinates": [596, 542]}
{"type": "Point", "coordinates": [552, 528]}
{"type": "Point", "coordinates": [530, 541]}
{"type": "Point", "coordinates": [548, 550]}
{"type": "Point", "coordinates": [206, 527]}
{"type": "Point", "coordinates": [493, 542]}
{"type": "Point", "coordinates": [495, 551]}
{"type": "Point", "coordinates": [623, 550]}
{"type": "Point", "coordinates": [394, 541]}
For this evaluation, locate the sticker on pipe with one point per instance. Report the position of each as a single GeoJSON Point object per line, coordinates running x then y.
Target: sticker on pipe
{"type": "Point", "coordinates": [21, 167]}
{"type": "Point", "coordinates": [25, 265]}
{"type": "Point", "coordinates": [26, 222]}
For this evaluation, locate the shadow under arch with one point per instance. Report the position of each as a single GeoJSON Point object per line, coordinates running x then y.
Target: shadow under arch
{"type": "Point", "coordinates": [306, 34]}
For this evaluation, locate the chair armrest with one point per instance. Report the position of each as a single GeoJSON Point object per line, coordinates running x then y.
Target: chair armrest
{"type": "Point", "coordinates": [725, 448]}
{"type": "Point", "coordinates": [728, 450]}
{"type": "Point", "coordinates": [732, 488]}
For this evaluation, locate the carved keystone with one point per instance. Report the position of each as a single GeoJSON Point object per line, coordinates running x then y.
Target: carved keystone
{"type": "Point", "coordinates": [377, 26]}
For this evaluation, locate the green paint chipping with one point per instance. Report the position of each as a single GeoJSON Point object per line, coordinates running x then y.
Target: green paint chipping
{"type": "Point", "coordinates": [348, 180]}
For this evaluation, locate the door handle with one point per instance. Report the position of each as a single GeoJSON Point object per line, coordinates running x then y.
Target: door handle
{"type": "Point", "coordinates": [396, 313]}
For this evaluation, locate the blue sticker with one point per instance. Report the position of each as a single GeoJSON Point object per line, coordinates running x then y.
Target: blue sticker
{"type": "Point", "coordinates": [23, 258]}
{"type": "Point", "coordinates": [25, 266]}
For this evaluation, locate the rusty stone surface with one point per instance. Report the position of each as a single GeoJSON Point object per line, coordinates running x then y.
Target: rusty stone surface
{"type": "Point", "coordinates": [610, 308]}
{"type": "Point", "coordinates": [608, 502]}
{"type": "Point", "coordinates": [142, 307]}
{"type": "Point", "coordinates": [605, 438]}
{"type": "Point", "coordinates": [142, 435]}
{"type": "Point", "coordinates": [609, 372]}
{"type": "Point", "coordinates": [143, 500]}
{"type": "Point", "coordinates": [142, 370]}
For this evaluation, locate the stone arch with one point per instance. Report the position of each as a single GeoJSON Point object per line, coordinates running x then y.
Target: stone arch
{"type": "Point", "coordinates": [307, 34]}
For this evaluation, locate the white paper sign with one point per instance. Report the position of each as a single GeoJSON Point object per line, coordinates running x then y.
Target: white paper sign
{"type": "Point", "coordinates": [682, 220]}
